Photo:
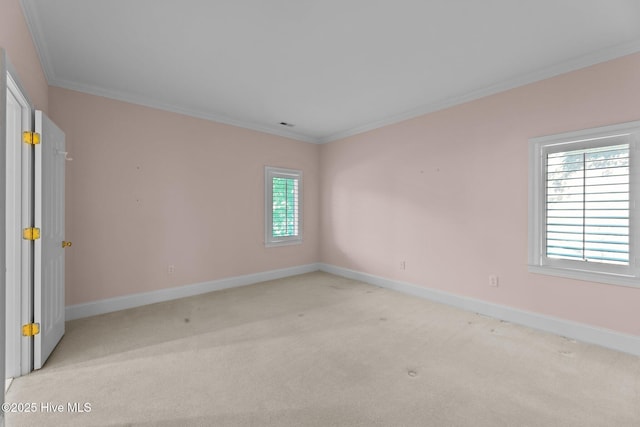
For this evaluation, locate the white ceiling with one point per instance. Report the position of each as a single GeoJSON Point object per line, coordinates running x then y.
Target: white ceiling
{"type": "Point", "coordinates": [331, 67]}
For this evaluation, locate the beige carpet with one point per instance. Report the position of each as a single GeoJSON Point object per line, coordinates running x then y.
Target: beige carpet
{"type": "Point", "coordinates": [320, 350]}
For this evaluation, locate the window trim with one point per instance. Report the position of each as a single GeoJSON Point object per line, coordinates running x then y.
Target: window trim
{"type": "Point", "coordinates": [581, 270]}
{"type": "Point", "coordinates": [271, 172]}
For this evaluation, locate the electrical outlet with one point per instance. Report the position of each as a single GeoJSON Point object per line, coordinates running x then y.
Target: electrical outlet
{"type": "Point", "coordinates": [171, 269]}
{"type": "Point", "coordinates": [493, 280]}
{"type": "Point", "coordinates": [403, 265]}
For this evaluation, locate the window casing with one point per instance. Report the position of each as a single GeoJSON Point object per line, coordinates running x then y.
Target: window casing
{"type": "Point", "coordinates": [583, 188]}
{"type": "Point", "coordinates": [283, 206]}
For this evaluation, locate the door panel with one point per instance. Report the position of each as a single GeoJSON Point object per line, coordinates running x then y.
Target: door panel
{"type": "Point", "coordinates": [48, 301]}
{"type": "Point", "coordinates": [19, 268]}
{"type": "Point", "coordinates": [13, 235]}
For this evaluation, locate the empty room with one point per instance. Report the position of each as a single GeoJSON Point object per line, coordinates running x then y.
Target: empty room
{"type": "Point", "coordinates": [320, 213]}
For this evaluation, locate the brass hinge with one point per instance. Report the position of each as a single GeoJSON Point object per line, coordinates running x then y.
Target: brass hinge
{"type": "Point", "coordinates": [32, 138]}
{"type": "Point", "coordinates": [31, 233]}
{"type": "Point", "coordinates": [30, 329]}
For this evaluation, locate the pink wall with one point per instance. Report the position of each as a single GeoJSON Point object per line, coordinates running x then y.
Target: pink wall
{"type": "Point", "coordinates": [148, 188]}
{"type": "Point", "coordinates": [447, 193]}
{"type": "Point", "coordinates": [17, 42]}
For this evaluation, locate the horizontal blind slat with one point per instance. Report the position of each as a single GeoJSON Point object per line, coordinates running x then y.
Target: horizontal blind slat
{"type": "Point", "coordinates": [285, 207]}
{"type": "Point", "coordinates": [587, 204]}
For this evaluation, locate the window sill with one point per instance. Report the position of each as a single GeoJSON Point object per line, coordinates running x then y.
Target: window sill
{"type": "Point", "coordinates": [589, 276]}
{"type": "Point", "coordinates": [283, 243]}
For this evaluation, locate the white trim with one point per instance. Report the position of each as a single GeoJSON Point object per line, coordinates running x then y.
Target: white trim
{"type": "Point", "coordinates": [33, 23]}
{"type": "Point", "coordinates": [579, 331]}
{"type": "Point", "coordinates": [545, 73]}
{"type": "Point", "coordinates": [582, 332]}
{"type": "Point", "coordinates": [587, 276]}
{"type": "Point", "coordinates": [538, 262]}
{"type": "Point", "coordinates": [19, 312]}
{"type": "Point", "coordinates": [271, 172]}
{"type": "Point", "coordinates": [173, 108]}
{"type": "Point", "coordinates": [593, 58]}
{"type": "Point", "coordinates": [32, 19]}
{"type": "Point", "coordinates": [3, 206]}
{"type": "Point", "coordinates": [564, 67]}
{"type": "Point", "coordinates": [109, 305]}
{"type": "Point", "coordinates": [592, 133]}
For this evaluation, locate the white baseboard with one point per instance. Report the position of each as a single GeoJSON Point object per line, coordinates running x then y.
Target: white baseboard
{"type": "Point", "coordinates": [578, 331]}
{"type": "Point", "coordinates": [109, 305]}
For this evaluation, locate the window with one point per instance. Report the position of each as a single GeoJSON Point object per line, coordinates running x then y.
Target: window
{"type": "Point", "coordinates": [582, 190]}
{"type": "Point", "coordinates": [283, 196]}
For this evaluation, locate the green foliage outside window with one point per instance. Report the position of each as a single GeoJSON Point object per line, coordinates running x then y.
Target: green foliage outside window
{"type": "Point", "coordinates": [285, 207]}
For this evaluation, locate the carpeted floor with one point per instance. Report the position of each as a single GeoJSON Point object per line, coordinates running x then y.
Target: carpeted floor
{"type": "Point", "coordinates": [320, 350]}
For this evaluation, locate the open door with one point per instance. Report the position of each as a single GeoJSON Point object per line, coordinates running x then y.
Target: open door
{"type": "Point", "coordinates": [19, 214]}
{"type": "Point", "coordinates": [48, 288]}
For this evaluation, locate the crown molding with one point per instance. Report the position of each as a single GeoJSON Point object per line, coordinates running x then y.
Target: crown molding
{"type": "Point", "coordinates": [564, 67]}
{"type": "Point", "coordinates": [32, 20]}
{"type": "Point", "coordinates": [151, 103]}
{"type": "Point", "coordinates": [593, 58]}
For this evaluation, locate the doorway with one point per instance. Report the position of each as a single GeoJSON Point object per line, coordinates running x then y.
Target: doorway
{"type": "Point", "coordinates": [34, 235]}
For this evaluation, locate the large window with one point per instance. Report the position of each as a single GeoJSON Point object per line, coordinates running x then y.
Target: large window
{"type": "Point", "coordinates": [582, 190]}
{"type": "Point", "coordinates": [283, 216]}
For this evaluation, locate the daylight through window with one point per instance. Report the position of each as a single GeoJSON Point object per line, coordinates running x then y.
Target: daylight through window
{"type": "Point", "coordinates": [285, 207]}
{"type": "Point", "coordinates": [582, 190]}
{"type": "Point", "coordinates": [588, 204]}
{"type": "Point", "coordinates": [283, 194]}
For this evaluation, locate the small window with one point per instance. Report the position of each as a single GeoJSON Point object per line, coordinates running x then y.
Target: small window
{"type": "Point", "coordinates": [283, 216]}
{"type": "Point", "coordinates": [581, 194]}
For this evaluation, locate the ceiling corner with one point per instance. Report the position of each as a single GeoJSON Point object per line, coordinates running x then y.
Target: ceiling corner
{"type": "Point", "coordinates": [32, 20]}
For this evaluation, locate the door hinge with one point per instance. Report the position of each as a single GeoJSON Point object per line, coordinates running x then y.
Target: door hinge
{"type": "Point", "coordinates": [31, 233]}
{"type": "Point", "coordinates": [30, 329]}
{"type": "Point", "coordinates": [32, 138]}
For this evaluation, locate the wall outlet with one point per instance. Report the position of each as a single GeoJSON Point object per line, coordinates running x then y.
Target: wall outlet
{"type": "Point", "coordinates": [403, 265]}
{"type": "Point", "coordinates": [493, 280]}
{"type": "Point", "coordinates": [171, 269]}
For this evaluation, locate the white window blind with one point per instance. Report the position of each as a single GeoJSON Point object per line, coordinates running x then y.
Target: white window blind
{"type": "Point", "coordinates": [587, 204]}
{"type": "Point", "coordinates": [284, 207]}
{"type": "Point", "coordinates": [583, 188]}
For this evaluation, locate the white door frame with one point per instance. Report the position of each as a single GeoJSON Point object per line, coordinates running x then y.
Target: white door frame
{"type": "Point", "coordinates": [19, 255]}
{"type": "Point", "coordinates": [3, 135]}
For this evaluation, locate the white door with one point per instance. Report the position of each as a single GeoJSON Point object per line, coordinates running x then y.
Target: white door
{"type": "Point", "coordinates": [14, 241]}
{"type": "Point", "coordinates": [19, 215]}
{"type": "Point", "coordinates": [48, 289]}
